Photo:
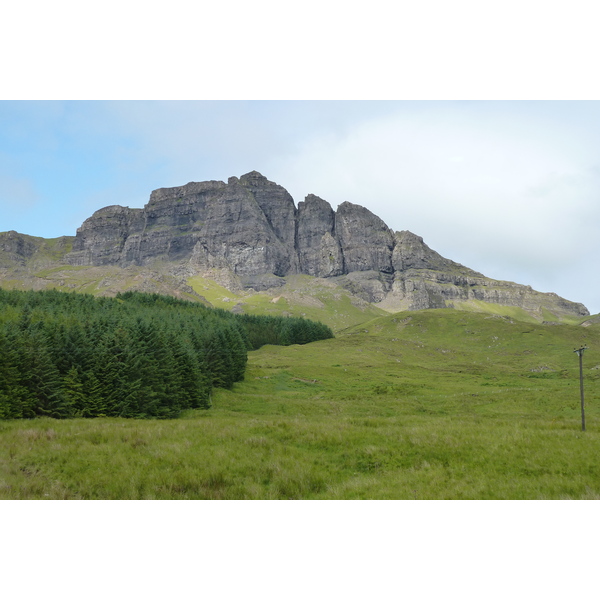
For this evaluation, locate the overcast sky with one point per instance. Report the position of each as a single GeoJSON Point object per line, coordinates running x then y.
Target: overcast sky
{"type": "Point", "coordinates": [508, 188]}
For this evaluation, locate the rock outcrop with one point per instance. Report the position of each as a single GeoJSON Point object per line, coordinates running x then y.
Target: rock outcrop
{"type": "Point", "coordinates": [18, 250]}
{"type": "Point", "coordinates": [367, 242]}
{"type": "Point", "coordinates": [319, 252]}
{"type": "Point", "coordinates": [246, 225]}
{"type": "Point", "coordinates": [251, 228]}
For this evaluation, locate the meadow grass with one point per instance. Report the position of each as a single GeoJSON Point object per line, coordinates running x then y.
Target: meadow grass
{"type": "Point", "coordinates": [418, 405]}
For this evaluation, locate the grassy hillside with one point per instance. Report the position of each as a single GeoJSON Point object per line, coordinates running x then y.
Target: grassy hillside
{"type": "Point", "coordinates": [98, 281]}
{"type": "Point", "coordinates": [432, 404]}
{"type": "Point", "coordinates": [301, 296]}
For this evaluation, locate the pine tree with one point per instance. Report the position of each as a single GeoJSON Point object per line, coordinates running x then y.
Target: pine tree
{"type": "Point", "coordinates": [12, 394]}
{"type": "Point", "coordinates": [94, 404]}
{"type": "Point", "coordinates": [73, 392]}
{"type": "Point", "coordinates": [42, 379]}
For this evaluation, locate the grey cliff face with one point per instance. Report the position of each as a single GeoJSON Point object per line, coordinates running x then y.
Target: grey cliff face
{"type": "Point", "coordinates": [367, 242]}
{"type": "Point", "coordinates": [16, 246]}
{"type": "Point", "coordinates": [247, 225]}
{"type": "Point", "coordinates": [251, 228]}
{"type": "Point", "coordinates": [410, 252]}
{"type": "Point", "coordinates": [319, 253]}
{"type": "Point", "coordinates": [101, 239]}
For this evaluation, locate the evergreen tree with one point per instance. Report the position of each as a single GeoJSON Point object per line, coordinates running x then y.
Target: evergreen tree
{"type": "Point", "coordinates": [12, 394]}
{"type": "Point", "coordinates": [42, 379]}
{"type": "Point", "coordinates": [94, 404]}
{"type": "Point", "coordinates": [74, 392]}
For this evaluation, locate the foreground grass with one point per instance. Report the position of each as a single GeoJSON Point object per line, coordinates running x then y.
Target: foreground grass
{"type": "Point", "coordinates": [293, 457]}
{"type": "Point", "coordinates": [431, 405]}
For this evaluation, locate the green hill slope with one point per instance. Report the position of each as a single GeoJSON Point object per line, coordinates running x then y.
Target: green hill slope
{"type": "Point", "coordinates": [436, 404]}
{"type": "Point", "coordinates": [432, 404]}
{"type": "Point", "coordinates": [419, 358]}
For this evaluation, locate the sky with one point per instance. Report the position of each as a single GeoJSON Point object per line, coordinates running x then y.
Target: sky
{"type": "Point", "coordinates": [508, 188]}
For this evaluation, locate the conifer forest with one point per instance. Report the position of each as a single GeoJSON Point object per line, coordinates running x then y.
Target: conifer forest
{"type": "Point", "coordinates": [137, 355]}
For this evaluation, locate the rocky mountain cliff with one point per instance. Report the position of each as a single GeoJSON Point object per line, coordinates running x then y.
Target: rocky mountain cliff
{"type": "Point", "coordinates": [247, 234]}
{"type": "Point", "coordinates": [250, 232]}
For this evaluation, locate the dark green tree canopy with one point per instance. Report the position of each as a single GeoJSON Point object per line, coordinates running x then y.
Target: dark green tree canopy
{"type": "Point", "coordinates": [136, 355]}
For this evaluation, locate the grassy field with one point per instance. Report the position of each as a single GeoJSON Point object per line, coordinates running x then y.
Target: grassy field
{"type": "Point", "coordinates": [437, 404]}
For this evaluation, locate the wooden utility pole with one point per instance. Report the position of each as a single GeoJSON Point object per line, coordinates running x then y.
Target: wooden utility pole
{"type": "Point", "coordinates": [580, 352]}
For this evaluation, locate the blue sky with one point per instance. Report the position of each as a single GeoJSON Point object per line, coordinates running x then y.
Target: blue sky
{"type": "Point", "coordinates": [509, 188]}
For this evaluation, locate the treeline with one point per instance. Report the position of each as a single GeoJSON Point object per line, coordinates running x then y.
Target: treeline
{"type": "Point", "coordinates": [137, 355]}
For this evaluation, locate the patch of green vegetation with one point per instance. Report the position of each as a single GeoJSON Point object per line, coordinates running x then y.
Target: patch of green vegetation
{"type": "Point", "coordinates": [301, 296]}
{"type": "Point", "coordinates": [217, 295]}
{"type": "Point", "coordinates": [549, 316]}
{"type": "Point", "coordinates": [56, 248]}
{"type": "Point", "coordinates": [496, 309]}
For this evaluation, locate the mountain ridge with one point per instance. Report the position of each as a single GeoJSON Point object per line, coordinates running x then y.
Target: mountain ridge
{"type": "Point", "coordinates": [250, 234]}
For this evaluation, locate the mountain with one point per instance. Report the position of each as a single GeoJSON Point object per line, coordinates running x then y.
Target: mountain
{"type": "Point", "coordinates": [249, 237]}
